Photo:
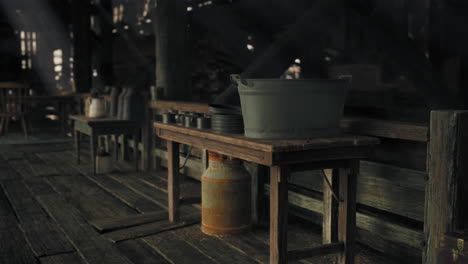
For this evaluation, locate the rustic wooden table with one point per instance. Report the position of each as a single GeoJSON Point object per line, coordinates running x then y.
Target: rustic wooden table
{"type": "Point", "coordinates": [95, 127]}
{"type": "Point", "coordinates": [62, 103]}
{"type": "Point", "coordinates": [339, 157]}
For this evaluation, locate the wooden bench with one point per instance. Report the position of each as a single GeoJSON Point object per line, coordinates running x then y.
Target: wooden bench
{"type": "Point", "coordinates": [340, 155]}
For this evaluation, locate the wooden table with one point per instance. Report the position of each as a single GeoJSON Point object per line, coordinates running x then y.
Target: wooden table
{"type": "Point", "coordinates": [95, 127]}
{"type": "Point", "coordinates": [62, 103]}
{"type": "Point", "coordinates": [338, 156]}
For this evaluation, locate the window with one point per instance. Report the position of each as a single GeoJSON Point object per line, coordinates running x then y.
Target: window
{"type": "Point", "coordinates": [28, 45]}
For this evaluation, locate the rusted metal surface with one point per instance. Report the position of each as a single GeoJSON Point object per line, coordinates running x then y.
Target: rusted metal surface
{"type": "Point", "coordinates": [226, 197]}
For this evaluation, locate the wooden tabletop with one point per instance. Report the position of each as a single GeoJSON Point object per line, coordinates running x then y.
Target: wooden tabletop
{"type": "Point", "coordinates": [180, 106]}
{"type": "Point", "coordinates": [104, 120]}
{"type": "Point", "coordinates": [50, 97]}
{"type": "Point", "coordinates": [344, 140]}
{"type": "Point", "coordinates": [13, 85]}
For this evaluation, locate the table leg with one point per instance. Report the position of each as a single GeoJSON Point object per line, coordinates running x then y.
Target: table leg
{"type": "Point", "coordinates": [108, 143]}
{"type": "Point", "coordinates": [330, 206]}
{"type": "Point", "coordinates": [173, 183]}
{"type": "Point", "coordinates": [278, 214]}
{"type": "Point", "coordinates": [123, 148]}
{"type": "Point", "coordinates": [347, 213]}
{"type": "Point", "coordinates": [61, 110]}
{"type": "Point", "coordinates": [93, 151]}
{"type": "Point", "coordinates": [136, 140]}
{"type": "Point", "coordinates": [77, 146]}
{"type": "Point", "coordinates": [116, 146]}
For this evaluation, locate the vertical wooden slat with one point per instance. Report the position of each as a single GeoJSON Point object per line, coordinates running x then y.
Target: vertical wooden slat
{"type": "Point", "coordinates": [278, 214]}
{"type": "Point", "coordinates": [330, 206]}
{"type": "Point", "coordinates": [347, 212]}
{"type": "Point", "coordinates": [173, 183]}
{"type": "Point", "coordinates": [446, 203]}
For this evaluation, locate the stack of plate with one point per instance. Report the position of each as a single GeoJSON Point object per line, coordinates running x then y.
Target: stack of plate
{"type": "Point", "coordinates": [226, 119]}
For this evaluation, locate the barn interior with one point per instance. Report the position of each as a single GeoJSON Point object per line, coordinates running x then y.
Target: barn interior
{"type": "Point", "coordinates": [132, 131]}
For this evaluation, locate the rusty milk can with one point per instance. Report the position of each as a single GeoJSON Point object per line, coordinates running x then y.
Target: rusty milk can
{"type": "Point", "coordinates": [226, 192]}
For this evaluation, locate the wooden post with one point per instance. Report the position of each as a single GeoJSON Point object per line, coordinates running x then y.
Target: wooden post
{"type": "Point", "coordinates": [106, 50]}
{"type": "Point", "coordinates": [173, 183]}
{"type": "Point", "coordinates": [446, 191]}
{"type": "Point", "coordinates": [347, 212]}
{"type": "Point", "coordinates": [170, 29]}
{"type": "Point", "coordinates": [204, 160]}
{"type": "Point", "coordinates": [330, 206]}
{"type": "Point", "coordinates": [278, 214]}
{"type": "Point", "coordinates": [82, 44]}
{"type": "Point", "coordinates": [147, 135]}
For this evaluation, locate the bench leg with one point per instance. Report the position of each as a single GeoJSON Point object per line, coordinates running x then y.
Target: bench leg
{"type": "Point", "coordinates": [116, 146]}
{"type": "Point", "coordinates": [173, 183]}
{"type": "Point", "coordinates": [136, 140]}
{"type": "Point", "coordinates": [77, 146]}
{"type": "Point", "coordinates": [93, 145]}
{"type": "Point", "coordinates": [278, 214]}
{"type": "Point", "coordinates": [347, 213]}
{"type": "Point", "coordinates": [330, 206]}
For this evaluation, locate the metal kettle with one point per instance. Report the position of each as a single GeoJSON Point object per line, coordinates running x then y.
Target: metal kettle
{"type": "Point", "coordinates": [97, 108]}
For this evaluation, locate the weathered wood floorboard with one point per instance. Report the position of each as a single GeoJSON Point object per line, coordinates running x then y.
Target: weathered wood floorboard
{"type": "Point", "coordinates": [88, 242]}
{"type": "Point", "coordinates": [6, 210]}
{"type": "Point", "coordinates": [39, 167]}
{"type": "Point", "coordinates": [113, 187]}
{"type": "Point", "coordinates": [67, 258]}
{"type": "Point", "coordinates": [111, 224]}
{"type": "Point", "coordinates": [151, 228]}
{"type": "Point", "coordinates": [22, 167]}
{"type": "Point", "coordinates": [140, 253]}
{"type": "Point", "coordinates": [88, 197]}
{"type": "Point", "coordinates": [299, 238]}
{"type": "Point", "coordinates": [13, 246]}
{"type": "Point", "coordinates": [23, 202]}
{"type": "Point", "coordinates": [176, 250]}
{"type": "Point", "coordinates": [7, 172]}
{"type": "Point", "coordinates": [39, 186]}
{"type": "Point", "coordinates": [134, 184]}
{"type": "Point", "coordinates": [211, 246]}
{"type": "Point", "coordinates": [122, 192]}
{"type": "Point", "coordinates": [41, 233]}
{"type": "Point", "coordinates": [250, 246]}
{"type": "Point", "coordinates": [53, 159]}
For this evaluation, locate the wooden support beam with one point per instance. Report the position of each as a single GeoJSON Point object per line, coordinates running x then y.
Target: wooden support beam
{"type": "Point", "coordinates": [446, 191]}
{"type": "Point", "coordinates": [82, 44]}
{"type": "Point", "coordinates": [170, 29]}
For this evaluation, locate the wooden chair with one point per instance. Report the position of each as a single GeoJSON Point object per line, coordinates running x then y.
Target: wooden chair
{"type": "Point", "coordinates": [13, 98]}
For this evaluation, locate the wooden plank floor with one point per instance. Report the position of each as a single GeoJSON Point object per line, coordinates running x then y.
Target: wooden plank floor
{"type": "Point", "coordinates": [55, 211]}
